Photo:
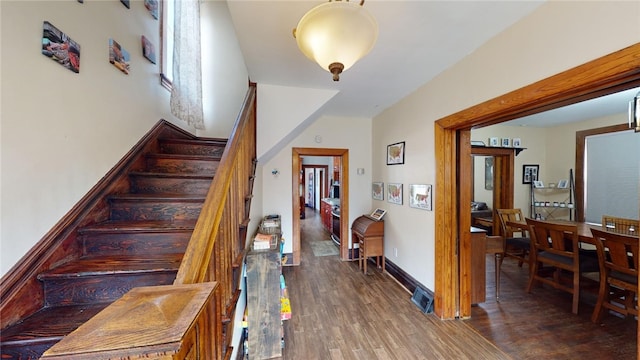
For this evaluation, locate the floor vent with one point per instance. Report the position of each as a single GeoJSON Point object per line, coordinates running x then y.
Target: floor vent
{"type": "Point", "coordinates": [423, 300]}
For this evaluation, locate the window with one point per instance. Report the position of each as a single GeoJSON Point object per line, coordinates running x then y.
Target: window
{"type": "Point", "coordinates": [166, 36]}
{"type": "Point", "coordinates": [611, 175]}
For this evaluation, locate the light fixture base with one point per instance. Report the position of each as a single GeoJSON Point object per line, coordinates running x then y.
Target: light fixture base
{"type": "Point", "coordinates": [336, 68]}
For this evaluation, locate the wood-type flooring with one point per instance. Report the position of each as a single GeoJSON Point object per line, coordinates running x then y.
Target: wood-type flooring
{"type": "Point", "coordinates": [340, 313]}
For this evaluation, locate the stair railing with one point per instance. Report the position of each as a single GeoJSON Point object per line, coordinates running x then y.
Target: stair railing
{"type": "Point", "coordinates": [218, 242]}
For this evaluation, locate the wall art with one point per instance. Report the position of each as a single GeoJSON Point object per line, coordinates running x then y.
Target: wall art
{"type": "Point", "coordinates": [152, 6]}
{"type": "Point", "coordinates": [395, 153]}
{"type": "Point", "coordinates": [529, 173]}
{"type": "Point", "coordinates": [420, 196]}
{"type": "Point", "coordinates": [118, 56]}
{"type": "Point", "coordinates": [148, 50]}
{"type": "Point", "coordinates": [377, 190]}
{"type": "Point", "coordinates": [394, 193]}
{"type": "Point", "coordinates": [60, 47]}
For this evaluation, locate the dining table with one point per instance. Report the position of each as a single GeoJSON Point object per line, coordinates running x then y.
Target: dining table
{"type": "Point", "coordinates": [584, 228]}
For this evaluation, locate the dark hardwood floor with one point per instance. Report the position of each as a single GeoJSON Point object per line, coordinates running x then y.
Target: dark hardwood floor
{"type": "Point", "coordinates": [340, 313]}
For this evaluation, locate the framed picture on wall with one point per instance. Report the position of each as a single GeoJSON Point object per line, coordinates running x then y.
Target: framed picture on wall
{"type": "Point", "coordinates": [530, 173]}
{"type": "Point", "coordinates": [377, 190]}
{"type": "Point", "coordinates": [394, 193]}
{"type": "Point", "coordinates": [420, 196]}
{"type": "Point", "coordinates": [395, 153]}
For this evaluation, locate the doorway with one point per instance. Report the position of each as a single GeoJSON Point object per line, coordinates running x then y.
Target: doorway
{"type": "Point", "coordinates": [611, 73]}
{"type": "Point", "coordinates": [296, 169]}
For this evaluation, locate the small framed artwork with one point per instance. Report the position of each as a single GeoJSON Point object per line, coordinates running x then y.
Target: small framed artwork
{"type": "Point", "coordinates": [60, 48]}
{"type": "Point", "coordinates": [152, 6]}
{"type": "Point", "coordinates": [516, 142]}
{"type": "Point", "coordinates": [420, 196]}
{"type": "Point", "coordinates": [538, 184]}
{"type": "Point", "coordinates": [148, 50]}
{"type": "Point", "coordinates": [378, 214]}
{"type": "Point", "coordinates": [506, 142]}
{"type": "Point", "coordinates": [394, 193]}
{"type": "Point", "coordinates": [563, 184]}
{"type": "Point", "coordinates": [118, 56]}
{"type": "Point", "coordinates": [494, 141]}
{"type": "Point", "coordinates": [395, 153]}
{"type": "Point", "coordinates": [377, 190]}
{"type": "Point", "coordinates": [529, 173]}
{"type": "Point", "coordinates": [488, 173]}
{"type": "Point", "coordinates": [126, 3]}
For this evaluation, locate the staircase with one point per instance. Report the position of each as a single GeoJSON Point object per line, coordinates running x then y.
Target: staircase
{"type": "Point", "coordinates": [140, 241]}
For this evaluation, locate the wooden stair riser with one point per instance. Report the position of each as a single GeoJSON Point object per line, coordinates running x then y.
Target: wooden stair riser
{"type": "Point", "coordinates": [106, 244]}
{"type": "Point", "coordinates": [190, 148]}
{"type": "Point", "coordinates": [158, 209]}
{"type": "Point", "coordinates": [100, 288]}
{"type": "Point", "coordinates": [31, 350]}
{"type": "Point", "coordinates": [142, 183]}
{"type": "Point", "coordinates": [181, 164]}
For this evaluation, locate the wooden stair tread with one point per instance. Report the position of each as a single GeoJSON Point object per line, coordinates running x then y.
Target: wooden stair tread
{"type": "Point", "coordinates": [116, 264]}
{"type": "Point", "coordinates": [50, 323]}
{"type": "Point", "coordinates": [139, 226]}
{"type": "Point", "coordinates": [205, 157]}
{"type": "Point", "coordinates": [158, 197]}
{"type": "Point", "coordinates": [186, 175]}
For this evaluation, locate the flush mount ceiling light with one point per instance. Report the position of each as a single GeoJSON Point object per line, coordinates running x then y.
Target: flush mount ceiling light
{"type": "Point", "coordinates": [336, 35]}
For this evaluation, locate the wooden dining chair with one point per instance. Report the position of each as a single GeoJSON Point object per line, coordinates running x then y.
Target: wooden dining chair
{"type": "Point", "coordinates": [517, 241]}
{"type": "Point", "coordinates": [621, 225]}
{"type": "Point", "coordinates": [618, 256]}
{"type": "Point", "coordinates": [556, 245]}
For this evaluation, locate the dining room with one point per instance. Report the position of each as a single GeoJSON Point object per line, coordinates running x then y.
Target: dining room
{"type": "Point", "coordinates": [583, 171]}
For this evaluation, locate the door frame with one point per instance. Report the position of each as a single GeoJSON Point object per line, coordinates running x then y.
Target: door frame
{"type": "Point", "coordinates": [611, 73]}
{"type": "Point", "coordinates": [296, 166]}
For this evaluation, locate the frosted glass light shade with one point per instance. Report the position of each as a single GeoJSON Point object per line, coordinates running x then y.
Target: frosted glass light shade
{"type": "Point", "coordinates": [336, 35]}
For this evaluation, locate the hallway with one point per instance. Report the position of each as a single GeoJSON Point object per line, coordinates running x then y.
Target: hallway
{"type": "Point", "coordinates": [340, 313]}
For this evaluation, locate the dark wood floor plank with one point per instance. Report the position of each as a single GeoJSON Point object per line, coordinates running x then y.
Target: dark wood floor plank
{"type": "Point", "coordinates": [340, 313]}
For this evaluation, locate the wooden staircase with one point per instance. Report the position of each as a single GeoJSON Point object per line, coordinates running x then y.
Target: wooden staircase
{"type": "Point", "coordinates": [135, 236]}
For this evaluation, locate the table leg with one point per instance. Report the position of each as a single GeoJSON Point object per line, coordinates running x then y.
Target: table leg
{"type": "Point", "coordinates": [498, 260]}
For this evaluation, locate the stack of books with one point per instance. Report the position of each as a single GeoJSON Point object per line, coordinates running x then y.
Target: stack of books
{"type": "Point", "coordinates": [262, 241]}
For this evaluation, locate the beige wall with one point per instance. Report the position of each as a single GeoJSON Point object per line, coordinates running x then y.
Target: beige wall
{"type": "Point", "coordinates": [552, 148]}
{"type": "Point", "coordinates": [555, 37]}
{"type": "Point", "coordinates": [61, 131]}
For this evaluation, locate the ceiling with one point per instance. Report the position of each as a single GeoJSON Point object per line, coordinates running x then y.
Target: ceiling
{"type": "Point", "coordinates": [417, 41]}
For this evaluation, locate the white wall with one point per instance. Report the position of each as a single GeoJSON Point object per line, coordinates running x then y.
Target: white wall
{"type": "Point", "coordinates": [343, 133]}
{"type": "Point", "coordinates": [555, 37]}
{"type": "Point", "coordinates": [61, 131]}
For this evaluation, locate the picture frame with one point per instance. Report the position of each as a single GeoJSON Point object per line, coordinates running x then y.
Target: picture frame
{"type": "Point", "coordinates": [538, 184]}
{"type": "Point", "coordinates": [530, 173]}
{"type": "Point", "coordinates": [563, 184]}
{"type": "Point", "coordinates": [148, 49]}
{"type": "Point", "coordinates": [494, 141]}
{"type": "Point", "coordinates": [378, 214]}
{"type": "Point", "coordinates": [488, 173]}
{"type": "Point", "coordinates": [420, 196]}
{"type": "Point", "coordinates": [506, 142]}
{"type": "Point", "coordinates": [119, 57]}
{"type": "Point", "coordinates": [394, 193]}
{"type": "Point", "coordinates": [395, 153]}
{"type": "Point", "coordinates": [59, 47]}
{"type": "Point", "coordinates": [377, 190]}
{"type": "Point", "coordinates": [516, 142]}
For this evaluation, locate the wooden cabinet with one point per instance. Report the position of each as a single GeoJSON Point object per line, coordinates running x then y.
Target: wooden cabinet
{"type": "Point", "coordinates": [325, 215]}
{"type": "Point", "coordinates": [369, 234]}
{"type": "Point", "coordinates": [263, 301]}
{"type": "Point", "coordinates": [172, 318]}
{"type": "Point", "coordinates": [478, 265]}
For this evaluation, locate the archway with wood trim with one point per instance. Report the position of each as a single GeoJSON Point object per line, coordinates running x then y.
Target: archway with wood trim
{"type": "Point", "coordinates": [609, 74]}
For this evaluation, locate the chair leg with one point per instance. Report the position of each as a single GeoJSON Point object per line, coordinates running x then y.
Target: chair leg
{"type": "Point", "coordinates": [602, 297]}
{"type": "Point", "coordinates": [533, 271]}
{"type": "Point", "coordinates": [576, 292]}
{"type": "Point", "coordinates": [498, 261]}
